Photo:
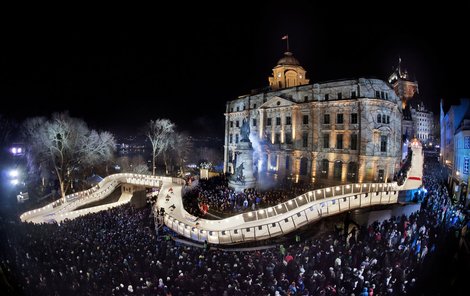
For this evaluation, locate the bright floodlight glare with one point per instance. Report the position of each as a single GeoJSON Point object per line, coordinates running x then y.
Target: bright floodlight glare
{"type": "Point", "coordinates": [14, 182]}
{"type": "Point", "coordinates": [19, 150]}
{"type": "Point", "coordinates": [13, 173]}
{"type": "Point", "coordinates": [13, 150]}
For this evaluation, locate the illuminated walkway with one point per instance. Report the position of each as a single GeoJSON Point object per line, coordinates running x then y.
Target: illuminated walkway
{"type": "Point", "coordinates": [249, 226]}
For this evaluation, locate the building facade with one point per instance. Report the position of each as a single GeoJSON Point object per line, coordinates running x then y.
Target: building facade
{"type": "Point", "coordinates": [461, 171]}
{"type": "Point", "coordinates": [455, 145]}
{"type": "Point", "coordinates": [332, 132]}
{"type": "Point", "coordinates": [423, 123]}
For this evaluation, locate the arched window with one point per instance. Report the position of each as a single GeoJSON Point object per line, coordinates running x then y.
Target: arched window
{"type": "Point", "coordinates": [379, 118]}
{"type": "Point", "coordinates": [384, 118]}
{"type": "Point", "coordinates": [338, 170]}
{"type": "Point", "coordinates": [273, 158]}
{"type": "Point", "coordinates": [324, 168]}
{"type": "Point", "coordinates": [352, 171]}
{"type": "Point", "coordinates": [303, 166]}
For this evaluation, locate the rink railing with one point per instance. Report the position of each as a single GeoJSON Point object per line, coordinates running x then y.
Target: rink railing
{"type": "Point", "coordinates": [287, 216]}
{"type": "Point", "coordinates": [63, 207]}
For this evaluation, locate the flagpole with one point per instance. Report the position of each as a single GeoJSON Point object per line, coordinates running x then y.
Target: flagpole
{"type": "Point", "coordinates": [286, 37]}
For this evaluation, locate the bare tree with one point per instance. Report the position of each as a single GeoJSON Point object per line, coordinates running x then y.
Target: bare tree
{"type": "Point", "coordinates": [6, 128]}
{"type": "Point", "coordinates": [160, 132]}
{"type": "Point", "coordinates": [67, 145]}
{"type": "Point", "coordinates": [182, 146]}
{"type": "Point", "coordinates": [134, 164]}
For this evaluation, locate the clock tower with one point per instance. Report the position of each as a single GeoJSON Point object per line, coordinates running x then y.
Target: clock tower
{"type": "Point", "coordinates": [287, 73]}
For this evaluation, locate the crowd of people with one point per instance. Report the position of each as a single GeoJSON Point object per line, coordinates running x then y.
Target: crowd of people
{"type": "Point", "coordinates": [401, 175]}
{"type": "Point", "coordinates": [118, 252]}
{"type": "Point", "coordinates": [221, 199]}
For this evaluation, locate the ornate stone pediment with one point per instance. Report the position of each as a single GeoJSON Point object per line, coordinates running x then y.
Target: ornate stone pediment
{"type": "Point", "coordinates": [277, 102]}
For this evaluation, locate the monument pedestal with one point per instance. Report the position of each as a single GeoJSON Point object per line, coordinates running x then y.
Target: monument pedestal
{"type": "Point", "coordinates": [243, 177]}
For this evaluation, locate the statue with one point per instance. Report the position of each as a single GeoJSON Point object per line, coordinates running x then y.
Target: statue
{"type": "Point", "coordinates": [239, 173]}
{"type": "Point", "coordinates": [245, 131]}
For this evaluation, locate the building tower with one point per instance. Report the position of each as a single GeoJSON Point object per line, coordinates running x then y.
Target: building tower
{"type": "Point", "coordinates": [287, 73]}
{"type": "Point", "coordinates": [404, 87]}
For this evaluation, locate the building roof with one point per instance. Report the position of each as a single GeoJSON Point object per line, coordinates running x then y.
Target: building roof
{"type": "Point", "coordinates": [94, 179]}
{"type": "Point", "coordinates": [288, 60]}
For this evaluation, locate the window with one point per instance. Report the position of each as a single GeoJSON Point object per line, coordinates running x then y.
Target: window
{"type": "Point", "coordinates": [287, 163]}
{"type": "Point", "coordinates": [288, 138]}
{"type": "Point", "coordinates": [254, 121]}
{"type": "Point", "coordinates": [231, 123]}
{"type": "Point", "coordinates": [386, 96]}
{"type": "Point", "coordinates": [353, 118]}
{"type": "Point", "coordinates": [237, 123]}
{"type": "Point", "coordinates": [338, 170]}
{"type": "Point", "coordinates": [254, 106]}
{"type": "Point", "coordinates": [238, 108]}
{"type": "Point", "coordinates": [379, 118]}
{"type": "Point", "coordinates": [388, 118]}
{"type": "Point", "coordinates": [231, 109]}
{"type": "Point", "coordinates": [277, 138]}
{"type": "Point", "coordinates": [327, 97]}
{"type": "Point", "coordinates": [381, 176]}
{"type": "Point", "coordinates": [466, 144]}
{"type": "Point", "coordinates": [306, 98]}
{"type": "Point", "coordinates": [382, 95]}
{"type": "Point", "coordinates": [268, 121]}
{"type": "Point", "coordinates": [304, 163]}
{"type": "Point", "coordinates": [324, 168]}
{"type": "Point", "coordinates": [326, 140]}
{"type": "Point", "coordinates": [304, 139]}
{"type": "Point", "coordinates": [260, 227]}
{"type": "Point", "coordinates": [466, 162]}
{"type": "Point", "coordinates": [352, 172]}
{"type": "Point", "coordinates": [353, 94]}
{"type": "Point", "coordinates": [340, 96]}
{"type": "Point", "coordinates": [305, 119]}
{"type": "Point", "coordinates": [288, 120]}
{"type": "Point", "coordinates": [339, 118]}
{"type": "Point", "coordinates": [278, 120]}
{"type": "Point", "coordinates": [384, 119]}
{"type": "Point", "coordinates": [230, 138]}
{"type": "Point", "coordinates": [377, 94]}
{"type": "Point", "coordinates": [273, 225]}
{"type": "Point", "coordinates": [326, 119]}
{"type": "Point", "coordinates": [236, 138]}
{"type": "Point", "coordinates": [383, 143]}
{"type": "Point", "coordinates": [353, 141]}
{"type": "Point", "coordinates": [339, 141]}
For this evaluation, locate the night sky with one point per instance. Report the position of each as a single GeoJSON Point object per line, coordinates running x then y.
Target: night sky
{"type": "Point", "coordinates": [159, 60]}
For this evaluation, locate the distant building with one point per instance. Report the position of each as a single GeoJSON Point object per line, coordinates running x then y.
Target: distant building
{"type": "Point", "coordinates": [455, 145]}
{"type": "Point", "coordinates": [405, 88]}
{"type": "Point", "coordinates": [337, 132]}
{"type": "Point", "coordinates": [423, 123]}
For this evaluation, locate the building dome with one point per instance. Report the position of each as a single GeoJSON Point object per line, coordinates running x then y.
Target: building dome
{"type": "Point", "coordinates": [288, 59]}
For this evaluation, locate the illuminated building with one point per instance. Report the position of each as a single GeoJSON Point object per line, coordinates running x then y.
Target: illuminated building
{"type": "Point", "coordinates": [337, 131]}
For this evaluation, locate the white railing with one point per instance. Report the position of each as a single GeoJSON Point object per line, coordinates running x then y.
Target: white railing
{"type": "Point", "coordinates": [98, 192]}
{"type": "Point", "coordinates": [287, 216]}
